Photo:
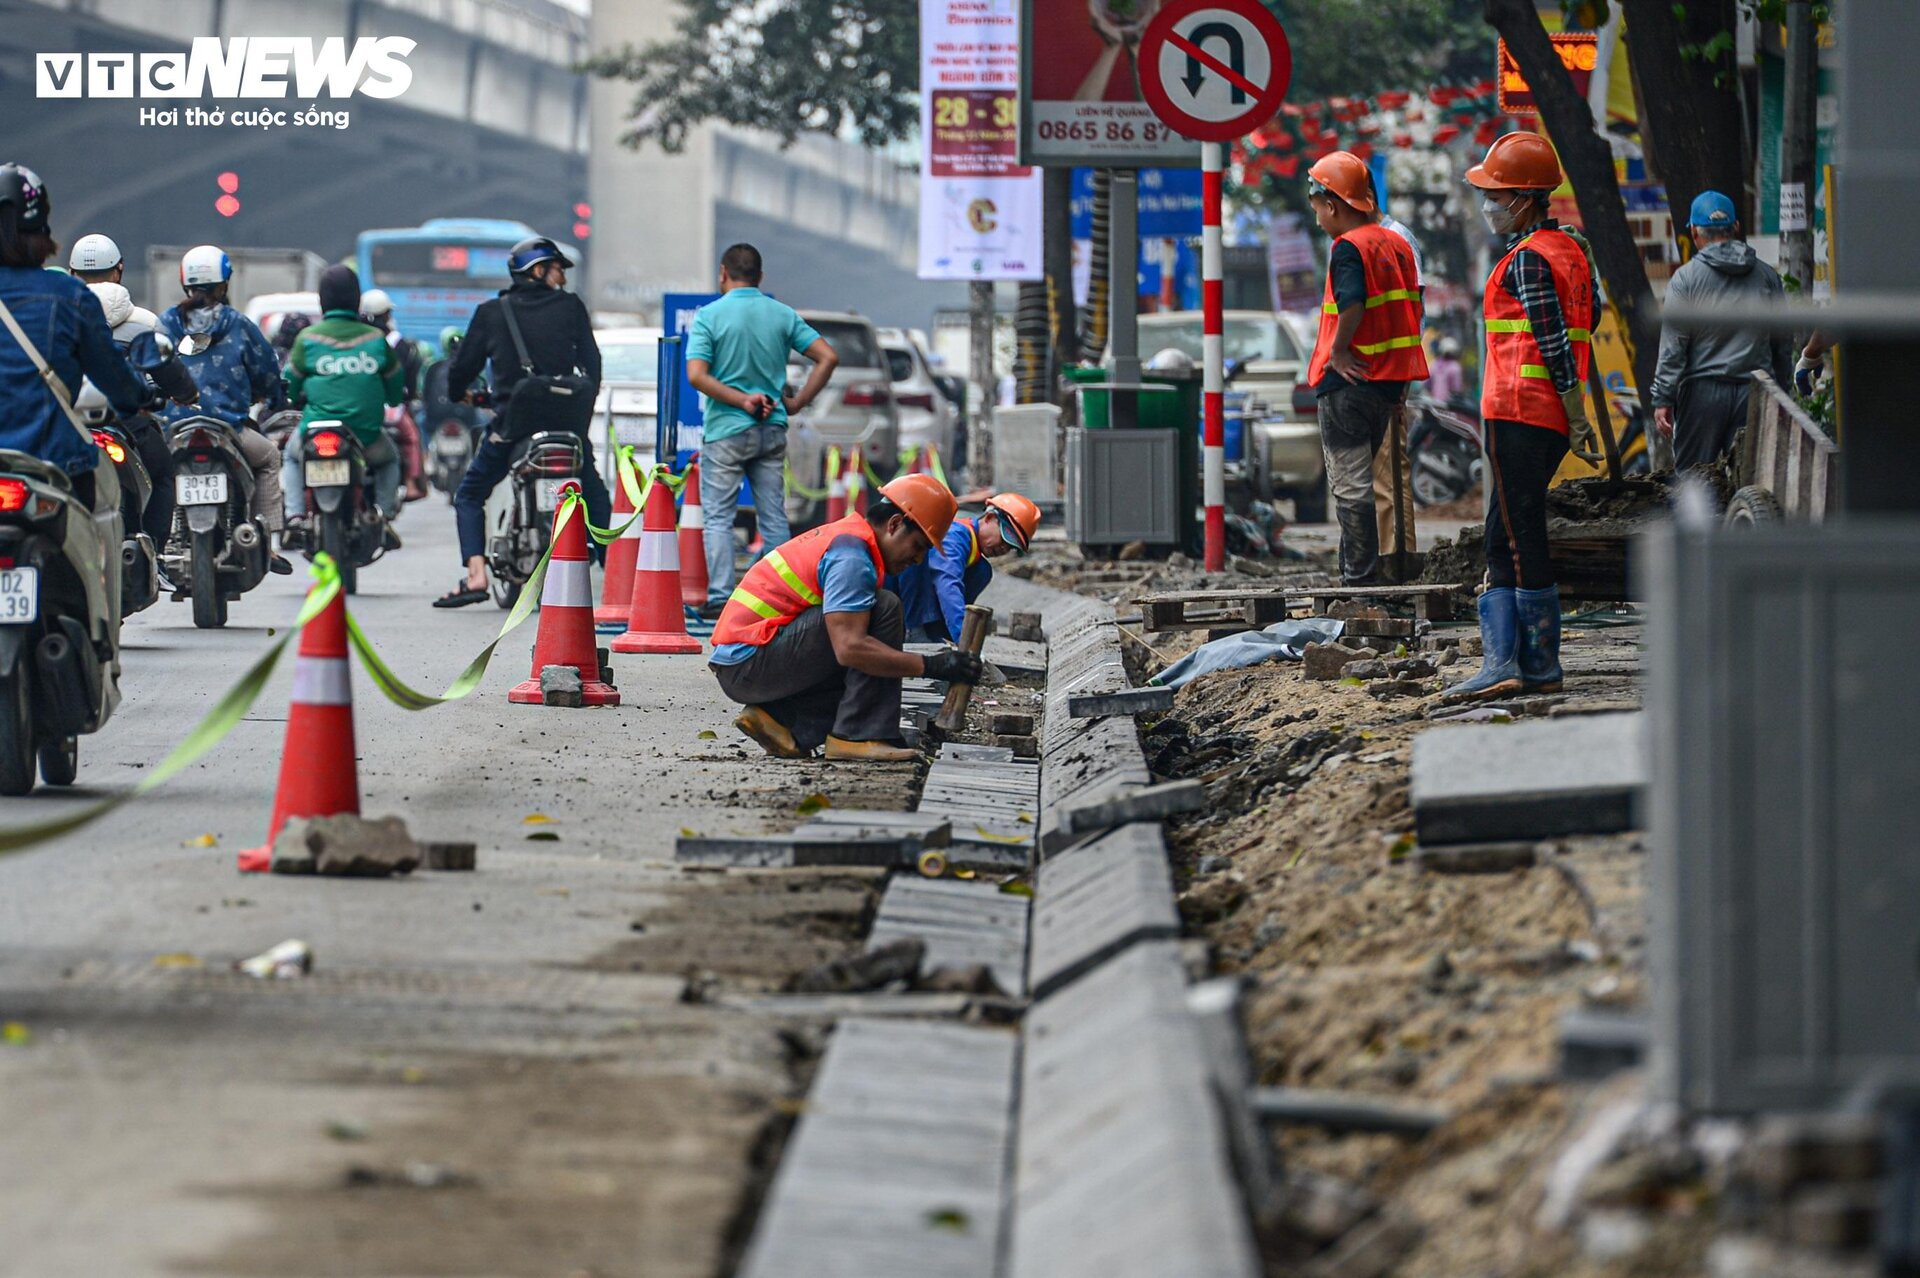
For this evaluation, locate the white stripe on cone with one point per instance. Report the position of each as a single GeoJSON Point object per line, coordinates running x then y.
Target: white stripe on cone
{"type": "Point", "coordinates": [659, 552]}
{"type": "Point", "coordinates": [567, 585]}
{"type": "Point", "coordinates": [321, 681]}
{"type": "Point", "coordinates": [691, 516]}
{"type": "Point", "coordinates": [632, 531]}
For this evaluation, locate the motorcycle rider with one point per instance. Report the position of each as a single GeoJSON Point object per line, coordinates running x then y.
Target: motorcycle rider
{"type": "Point", "coordinates": [558, 334]}
{"type": "Point", "coordinates": [97, 262]}
{"type": "Point", "coordinates": [345, 372]}
{"type": "Point", "coordinates": [376, 308]}
{"type": "Point", "coordinates": [64, 321]}
{"type": "Point", "coordinates": [235, 367]}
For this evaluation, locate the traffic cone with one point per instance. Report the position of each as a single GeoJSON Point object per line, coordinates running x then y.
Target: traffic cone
{"type": "Point", "coordinates": [317, 773]}
{"type": "Point", "coordinates": [693, 542]}
{"type": "Point", "coordinates": [836, 487]}
{"type": "Point", "coordinates": [566, 614]}
{"type": "Point", "coordinates": [657, 622]}
{"type": "Point", "coordinates": [617, 587]}
{"type": "Point", "coordinates": [856, 483]}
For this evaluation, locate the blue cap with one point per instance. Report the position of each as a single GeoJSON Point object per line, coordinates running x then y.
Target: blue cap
{"type": "Point", "coordinates": [1710, 208]}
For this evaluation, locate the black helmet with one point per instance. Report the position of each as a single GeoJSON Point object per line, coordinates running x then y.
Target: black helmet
{"type": "Point", "coordinates": [21, 187]}
{"type": "Point", "coordinates": [528, 254]}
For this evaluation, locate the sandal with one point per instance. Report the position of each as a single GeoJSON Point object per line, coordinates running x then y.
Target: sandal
{"type": "Point", "coordinates": [461, 596]}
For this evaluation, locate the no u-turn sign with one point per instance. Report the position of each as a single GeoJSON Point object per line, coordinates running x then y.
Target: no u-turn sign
{"type": "Point", "coordinates": [1215, 69]}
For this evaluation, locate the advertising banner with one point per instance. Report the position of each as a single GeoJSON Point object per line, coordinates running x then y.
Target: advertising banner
{"type": "Point", "coordinates": [1169, 203]}
{"type": "Point", "coordinates": [1080, 101]}
{"type": "Point", "coordinates": [979, 206]}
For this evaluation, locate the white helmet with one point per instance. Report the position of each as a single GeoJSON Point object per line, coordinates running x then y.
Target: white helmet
{"type": "Point", "coordinates": [94, 253]}
{"type": "Point", "coordinates": [1171, 360]}
{"type": "Point", "coordinates": [375, 302]}
{"type": "Point", "coordinates": [205, 265]}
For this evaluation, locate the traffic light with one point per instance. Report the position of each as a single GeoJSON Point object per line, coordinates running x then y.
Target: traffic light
{"type": "Point", "coordinates": [582, 221]}
{"type": "Point", "coordinates": [229, 202]}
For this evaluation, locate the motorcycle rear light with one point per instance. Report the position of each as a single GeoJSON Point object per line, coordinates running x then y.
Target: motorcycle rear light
{"type": "Point", "coordinates": [866, 395]}
{"type": "Point", "coordinates": [200, 457]}
{"type": "Point", "coordinates": [452, 428]}
{"type": "Point", "coordinates": [916, 400]}
{"type": "Point", "coordinates": [6, 561]}
{"type": "Point", "coordinates": [199, 439]}
{"type": "Point", "coordinates": [110, 445]}
{"type": "Point", "coordinates": [14, 494]}
{"type": "Point", "coordinates": [556, 461]}
{"type": "Point", "coordinates": [327, 444]}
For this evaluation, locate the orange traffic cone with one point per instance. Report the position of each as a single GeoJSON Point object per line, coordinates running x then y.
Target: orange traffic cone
{"type": "Point", "coordinates": [693, 542]}
{"type": "Point", "coordinates": [836, 487]}
{"type": "Point", "coordinates": [617, 587]}
{"type": "Point", "coordinates": [566, 614]}
{"type": "Point", "coordinates": [657, 622]}
{"type": "Point", "coordinates": [856, 483]}
{"type": "Point", "coordinates": [317, 773]}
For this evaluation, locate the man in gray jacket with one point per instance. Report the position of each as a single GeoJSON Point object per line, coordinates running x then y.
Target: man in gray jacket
{"type": "Point", "coordinates": [1700, 387]}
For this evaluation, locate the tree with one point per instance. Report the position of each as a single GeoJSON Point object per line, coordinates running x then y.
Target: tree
{"type": "Point", "coordinates": [1588, 162]}
{"type": "Point", "coordinates": [1692, 124]}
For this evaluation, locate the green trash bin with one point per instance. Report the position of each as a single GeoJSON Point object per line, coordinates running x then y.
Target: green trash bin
{"type": "Point", "coordinates": [1177, 408]}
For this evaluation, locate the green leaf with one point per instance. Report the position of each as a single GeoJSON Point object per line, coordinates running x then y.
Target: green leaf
{"type": "Point", "coordinates": [708, 734]}
{"type": "Point", "coordinates": [812, 804]}
{"type": "Point", "coordinates": [543, 836]}
{"type": "Point", "coordinates": [949, 1218]}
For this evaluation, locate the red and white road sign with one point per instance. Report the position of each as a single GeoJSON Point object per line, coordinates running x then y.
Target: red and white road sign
{"type": "Point", "coordinates": [1215, 70]}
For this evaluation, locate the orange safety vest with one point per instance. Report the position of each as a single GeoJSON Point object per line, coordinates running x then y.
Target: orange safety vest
{"type": "Point", "coordinates": [1389, 335]}
{"type": "Point", "coordinates": [786, 582]}
{"type": "Point", "coordinates": [1516, 385]}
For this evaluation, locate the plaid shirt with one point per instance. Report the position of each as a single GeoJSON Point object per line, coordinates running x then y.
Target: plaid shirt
{"type": "Point", "coordinates": [1530, 280]}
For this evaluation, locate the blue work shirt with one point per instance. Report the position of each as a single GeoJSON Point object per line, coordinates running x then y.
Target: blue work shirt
{"type": "Point", "coordinates": [848, 583]}
{"type": "Point", "coordinates": [239, 370]}
{"type": "Point", "coordinates": [940, 587]}
{"type": "Point", "coordinates": [745, 336]}
{"type": "Point", "coordinates": [63, 319]}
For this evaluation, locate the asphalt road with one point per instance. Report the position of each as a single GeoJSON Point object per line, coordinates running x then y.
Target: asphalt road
{"type": "Point", "coordinates": [167, 1115]}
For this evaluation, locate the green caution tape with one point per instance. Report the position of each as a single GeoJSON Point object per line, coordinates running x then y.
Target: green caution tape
{"type": "Point", "coordinates": [794, 486]}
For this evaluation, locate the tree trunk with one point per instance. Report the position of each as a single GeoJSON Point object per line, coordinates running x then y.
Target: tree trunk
{"type": "Point", "coordinates": [1694, 127]}
{"type": "Point", "coordinates": [1588, 162]}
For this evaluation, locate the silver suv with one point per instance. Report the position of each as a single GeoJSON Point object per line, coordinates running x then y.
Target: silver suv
{"type": "Point", "coordinates": [856, 409]}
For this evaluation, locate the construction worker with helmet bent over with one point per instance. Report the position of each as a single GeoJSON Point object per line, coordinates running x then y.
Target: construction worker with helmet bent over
{"type": "Point", "coordinates": [935, 594]}
{"type": "Point", "coordinates": [1540, 302]}
{"type": "Point", "coordinates": [811, 644]}
{"type": "Point", "coordinates": [1368, 349]}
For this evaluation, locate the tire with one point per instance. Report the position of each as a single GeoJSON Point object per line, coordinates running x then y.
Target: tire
{"type": "Point", "coordinates": [1753, 507]}
{"type": "Point", "coordinates": [505, 593]}
{"type": "Point", "coordinates": [334, 540]}
{"type": "Point", "coordinates": [16, 734]}
{"type": "Point", "coordinates": [209, 605]}
{"type": "Point", "coordinates": [60, 760]}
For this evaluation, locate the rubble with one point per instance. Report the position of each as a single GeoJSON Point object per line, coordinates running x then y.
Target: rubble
{"type": "Point", "coordinates": [1330, 660]}
{"type": "Point", "coordinates": [345, 845]}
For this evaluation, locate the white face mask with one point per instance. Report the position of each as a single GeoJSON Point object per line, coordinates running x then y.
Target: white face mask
{"type": "Point", "coordinates": [1499, 217]}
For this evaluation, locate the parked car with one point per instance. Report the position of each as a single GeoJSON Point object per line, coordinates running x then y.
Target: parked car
{"type": "Point", "coordinates": [629, 395]}
{"type": "Point", "coordinates": [856, 409]}
{"type": "Point", "coordinates": [926, 412]}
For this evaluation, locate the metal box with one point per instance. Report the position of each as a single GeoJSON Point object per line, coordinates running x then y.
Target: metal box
{"type": "Point", "coordinates": [1122, 486]}
{"type": "Point", "coordinates": [1784, 886]}
{"type": "Point", "coordinates": [1026, 441]}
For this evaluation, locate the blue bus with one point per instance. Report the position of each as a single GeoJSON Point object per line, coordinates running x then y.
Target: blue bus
{"type": "Point", "coordinates": [439, 271]}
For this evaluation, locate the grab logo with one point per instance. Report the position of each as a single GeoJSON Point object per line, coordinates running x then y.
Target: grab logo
{"type": "Point", "coordinates": [242, 67]}
{"type": "Point", "coordinates": [341, 365]}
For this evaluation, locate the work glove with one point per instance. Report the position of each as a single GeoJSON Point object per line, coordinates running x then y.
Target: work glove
{"type": "Point", "coordinates": [1580, 434]}
{"type": "Point", "coordinates": [1805, 372]}
{"type": "Point", "coordinates": [950, 665]}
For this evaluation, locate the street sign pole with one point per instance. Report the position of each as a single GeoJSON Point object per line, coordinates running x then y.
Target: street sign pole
{"type": "Point", "coordinates": [1214, 441]}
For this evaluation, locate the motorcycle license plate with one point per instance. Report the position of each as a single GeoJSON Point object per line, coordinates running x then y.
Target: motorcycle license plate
{"type": "Point", "coordinates": [449, 445]}
{"type": "Point", "coordinates": [19, 596]}
{"type": "Point", "coordinates": [200, 490]}
{"type": "Point", "coordinates": [329, 474]}
{"type": "Point", "coordinates": [546, 493]}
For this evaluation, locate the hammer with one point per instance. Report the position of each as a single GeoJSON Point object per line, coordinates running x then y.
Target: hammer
{"type": "Point", "coordinates": [973, 634]}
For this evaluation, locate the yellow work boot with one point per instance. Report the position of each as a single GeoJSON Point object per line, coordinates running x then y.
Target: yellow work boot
{"type": "Point", "coordinates": [769, 732]}
{"type": "Point", "coordinates": [868, 751]}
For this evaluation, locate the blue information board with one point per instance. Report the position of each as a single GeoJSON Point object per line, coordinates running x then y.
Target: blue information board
{"type": "Point", "coordinates": [676, 319]}
{"type": "Point", "coordinates": [1169, 203]}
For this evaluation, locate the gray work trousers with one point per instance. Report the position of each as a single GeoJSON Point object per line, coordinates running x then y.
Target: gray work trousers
{"type": "Point", "coordinates": [1707, 413]}
{"type": "Point", "coordinates": [1353, 424]}
{"type": "Point", "coordinates": [797, 679]}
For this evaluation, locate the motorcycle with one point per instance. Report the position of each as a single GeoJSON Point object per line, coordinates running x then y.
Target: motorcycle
{"type": "Point", "coordinates": [346, 520]}
{"type": "Point", "coordinates": [59, 620]}
{"type": "Point", "coordinates": [223, 551]}
{"type": "Point", "coordinates": [449, 455]}
{"type": "Point", "coordinates": [520, 511]}
{"type": "Point", "coordinates": [1443, 450]}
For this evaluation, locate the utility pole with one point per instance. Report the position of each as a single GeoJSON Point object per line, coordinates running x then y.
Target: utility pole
{"type": "Point", "coordinates": [1796, 147]}
{"type": "Point", "coordinates": [980, 375]}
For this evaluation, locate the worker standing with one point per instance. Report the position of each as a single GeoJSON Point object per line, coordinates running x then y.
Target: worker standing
{"type": "Point", "coordinates": [935, 593]}
{"type": "Point", "coordinates": [1539, 309]}
{"type": "Point", "coordinates": [811, 644]}
{"type": "Point", "coordinates": [1368, 348]}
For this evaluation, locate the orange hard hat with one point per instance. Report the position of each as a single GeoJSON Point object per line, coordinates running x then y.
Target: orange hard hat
{"type": "Point", "coordinates": [1346, 175]}
{"type": "Point", "coordinates": [1018, 518]}
{"type": "Point", "coordinates": [924, 500]}
{"type": "Point", "coordinates": [1517, 162]}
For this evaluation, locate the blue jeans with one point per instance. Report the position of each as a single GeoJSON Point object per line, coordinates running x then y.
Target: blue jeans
{"type": "Point", "coordinates": [381, 457]}
{"type": "Point", "coordinates": [760, 454]}
{"type": "Point", "coordinates": [489, 466]}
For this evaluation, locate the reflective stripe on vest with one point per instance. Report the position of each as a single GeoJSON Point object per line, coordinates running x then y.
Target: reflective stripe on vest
{"type": "Point", "coordinates": [1517, 386]}
{"type": "Point", "coordinates": [1389, 332]}
{"type": "Point", "coordinates": [786, 582]}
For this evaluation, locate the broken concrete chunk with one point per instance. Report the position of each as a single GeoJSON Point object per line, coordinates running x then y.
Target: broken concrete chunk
{"type": "Point", "coordinates": [1412, 668]}
{"type": "Point", "coordinates": [1354, 610]}
{"type": "Point", "coordinates": [1327, 660]}
{"type": "Point", "coordinates": [884, 964]}
{"type": "Point", "coordinates": [1011, 724]}
{"type": "Point", "coordinates": [560, 686]}
{"type": "Point", "coordinates": [1371, 668]}
{"type": "Point", "coordinates": [347, 845]}
{"type": "Point", "coordinates": [1149, 803]}
{"type": "Point", "coordinates": [1023, 747]}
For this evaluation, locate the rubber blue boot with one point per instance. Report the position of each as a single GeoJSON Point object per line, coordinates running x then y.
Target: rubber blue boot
{"type": "Point", "coordinates": [1540, 638]}
{"type": "Point", "coordinates": [1499, 650]}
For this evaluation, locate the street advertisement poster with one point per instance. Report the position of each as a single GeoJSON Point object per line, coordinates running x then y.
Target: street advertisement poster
{"type": "Point", "coordinates": [1080, 99]}
{"type": "Point", "coordinates": [979, 206]}
{"type": "Point", "coordinates": [1169, 203]}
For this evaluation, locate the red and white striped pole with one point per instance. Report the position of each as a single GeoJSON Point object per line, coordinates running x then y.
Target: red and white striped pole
{"type": "Point", "coordinates": [1213, 452]}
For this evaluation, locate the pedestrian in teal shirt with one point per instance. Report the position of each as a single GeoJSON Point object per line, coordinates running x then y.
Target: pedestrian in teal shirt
{"type": "Point", "coordinates": [737, 357]}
